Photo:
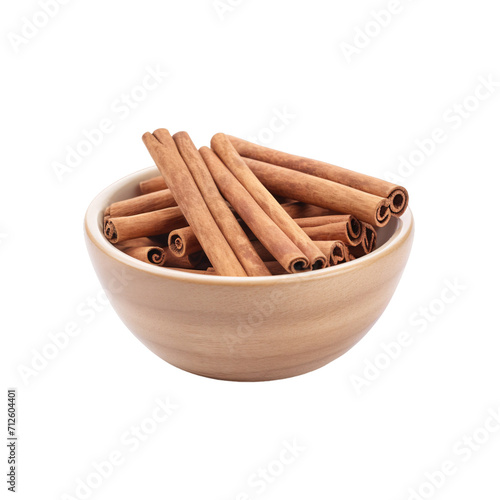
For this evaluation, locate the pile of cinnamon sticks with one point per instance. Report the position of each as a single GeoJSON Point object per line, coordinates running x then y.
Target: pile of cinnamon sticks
{"type": "Point", "coordinates": [240, 209]}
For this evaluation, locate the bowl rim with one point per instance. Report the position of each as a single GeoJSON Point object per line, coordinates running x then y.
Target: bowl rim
{"type": "Point", "coordinates": [404, 229]}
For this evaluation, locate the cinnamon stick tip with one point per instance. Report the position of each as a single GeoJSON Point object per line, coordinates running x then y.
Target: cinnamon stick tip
{"type": "Point", "coordinates": [147, 138]}
{"type": "Point", "coordinates": [205, 152]}
{"type": "Point", "coordinates": [354, 227]}
{"type": "Point", "coordinates": [339, 253]}
{"type": "Point", "coordinates": [157, 256]}
{"type": "Point", "coordinates": [219, 138]}
{"type": "Point", "coordinates": [319, 263]}
{"type": "Point", "coordinates": [299, 265]}
{"type": "Point", "coordinates": [176, 245]}
{"type": "Point", "coordinates": [110, 232]}
{"type": "Point", "coordinates": [181, 135]}
{"type": "Point", "coordinates": [399, 199]}
{"type": "Point", "coordinates": [383, 214]}
{"type": "Point", "coordinates": [161, 133]}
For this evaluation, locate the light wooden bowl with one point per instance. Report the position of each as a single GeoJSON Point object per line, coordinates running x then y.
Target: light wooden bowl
{"type": "Point", "coordinates": [246, 329]}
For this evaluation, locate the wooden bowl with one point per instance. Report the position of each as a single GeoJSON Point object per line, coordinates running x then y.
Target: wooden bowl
{"type": "Point", "coordinates": [246, 329]}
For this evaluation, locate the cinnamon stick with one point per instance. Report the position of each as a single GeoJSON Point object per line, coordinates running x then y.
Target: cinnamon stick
{"type": "Point", "coordinates": [397, 195]}
{"type": "Point", "coordinates": [226, 152]}
{"type": "Point", "coordinates": [332, 232]}
{"type": "Point", "coordinates": [367, 243]}
{"type": "Point", "coordinates": [191, 261]}
{"type": "Point", "coordinates": [298, 210]}
{"type": "Point", "coordinates": [152, 185]}
{"type": "Point", "coordinates": [148, 254]}
{"type": "Point", "coordinates": [141, 204]}
{"type": "Point", "coordinates": [177, 176]}
{"type": "Point", "coordinates": [118, 229]}
{"type": "Point", "coordinates": [140, 242]}
{"type": "Point", "coordinates": [353, 226]}
{"type": "Point", "coordinates": [275, 268]}
{"type": "Point", "coordinates": [145, 250]}
{"type": "Point", "coordinates": [324, 193]}
{"type": "Point", "coordinates": [370, 237]}
{"type": "Point", "coordinates": [264, 228]}
{"type": "Point", "coordinates": [183, 241]}
{"type": "Point", "coordinates": [223, 216]}
{"type": "Point", "coordinates": [262, 251]}
{"type": "Point", "coordinates": [336, 251]}
{"type": "Point", "coordinates": [357, 251]}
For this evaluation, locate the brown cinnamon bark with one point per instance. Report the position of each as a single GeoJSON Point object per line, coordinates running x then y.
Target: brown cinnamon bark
{"type": "Point", "coordinates": [275, 268]}
{"type": "Point", "coordinates": [191, 261]}
{"type": "Point", "coordinates": [145, 250]}
{"type": "Point", "coordinates": [264, 228]}
{"type": "Point", "coordinates": [152, 185]}
{"type": "Point", "coordinates": [140, 242]}
{"type": "Point", "coordinates": [297, 210]}
{"type": "Point", "coordinates": [262, 251]}
{"type": "Point", "coordinates": [186, 193]}
{"type": "Point", "coordinates": [370, 237]}
{"type": "Point", "coordinates": [367, 243]}
{"type": "Point", "coordinates": [118, 229]}
{"type": "Point", "coordinates": [183, 241]}
{"type": "Point", "coordinates": [357, 251]}
{"type": "Point", "coordinates": [337, 231]}
{"type": "Point", "coordinates": [336, 251]}
{"type": "Point", "coordinates": [226, 152]}
{"type": "Point", "coordinates": [324, 193]}
{"type": "Point", "coordinates": [142, 204]}
{"type": "Point", "coordinates": [219, 209]}
{"type": "Point", "coordinates": [353, 226]}
{"type": "Point", "coordinates": [397, 195]}
{"type": "Point", "coordinates": [148, 254]}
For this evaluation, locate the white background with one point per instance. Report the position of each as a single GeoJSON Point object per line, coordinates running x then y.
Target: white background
{"type": "Point", "coordinates": [230, 71]}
